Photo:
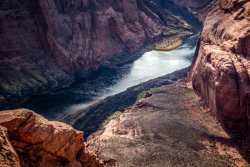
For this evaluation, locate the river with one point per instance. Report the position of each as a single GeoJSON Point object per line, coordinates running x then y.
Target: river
{"type": "Point", "coordinates": [110, 81]}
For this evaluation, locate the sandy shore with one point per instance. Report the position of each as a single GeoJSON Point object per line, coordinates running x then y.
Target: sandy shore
{"type": "Point", "coordinates": [168, 44]}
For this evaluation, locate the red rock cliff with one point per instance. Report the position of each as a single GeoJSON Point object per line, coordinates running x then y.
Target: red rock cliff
{"type": "Point", "coordinates": [199, 7]}
{"type": "Point", "coordinates": [44, 42]}
{"type": "Point", "coordinates": [28, 139]}
{"type": "Point", "coordinates": [220, 74]}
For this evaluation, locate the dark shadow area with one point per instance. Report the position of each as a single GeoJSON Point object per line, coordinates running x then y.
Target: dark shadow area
{"type": "Point", "coordinates": [241, 144]}
{"type": "Point", "coordinates": [94, 118]}
{"type": "Point", "coordinates": [90, 85]}
{"type": "Point", "coordinates": [83, 89]}
{"type": "Point", "coordinates": [182, 12]}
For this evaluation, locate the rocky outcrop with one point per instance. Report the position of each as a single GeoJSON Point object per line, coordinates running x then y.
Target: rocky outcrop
{"type": "Point", "coordinates": [28, 139]}
{"type": "Point", "coordinates": [8, 156]}
{"type": "Point", "coordinates": [220, 73]}
{"type": "Point", "coordinates": [43, 43]}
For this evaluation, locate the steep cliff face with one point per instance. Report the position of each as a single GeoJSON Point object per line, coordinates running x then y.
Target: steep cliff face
{"type": "Point", "coordinates": [220, 74]}
{"type": "Point", "coordinates": [199, 7]}
{"type": "Point", "coordinates": [43, 43]}
{"type": "Point", "coordinates": [28, 139]}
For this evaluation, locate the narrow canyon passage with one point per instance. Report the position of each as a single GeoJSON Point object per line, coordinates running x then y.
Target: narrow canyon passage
{"type": "Point", "coordinates": [110, 81]}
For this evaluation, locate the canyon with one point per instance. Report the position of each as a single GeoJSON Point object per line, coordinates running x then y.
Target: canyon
{"type": "Point", "coordinates": [46, 45]}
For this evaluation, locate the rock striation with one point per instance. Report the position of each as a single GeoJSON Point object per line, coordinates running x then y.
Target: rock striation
{"type": "Point", "coordinates": [220, 73]}
{"type": "Point", "coordinates": [199, 7]}
{"type": "Point", "coordinates": [44, 43]}
{"type": "Point", "coordinates": [28, 139]}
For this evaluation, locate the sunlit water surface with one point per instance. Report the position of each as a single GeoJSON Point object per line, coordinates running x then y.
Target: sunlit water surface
{"type": "Point", "coordinates": [107, 82]}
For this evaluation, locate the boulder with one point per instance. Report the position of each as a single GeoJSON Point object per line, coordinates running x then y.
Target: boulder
{"type": "Point", "coordinates": [34, 141]}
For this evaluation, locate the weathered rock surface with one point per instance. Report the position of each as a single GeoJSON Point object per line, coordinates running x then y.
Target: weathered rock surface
{"type": "Point", "coordinates": [220, 73]}
{"type": "Point", "coordinates": [199, 7]}
{"type": "Point", "coordinates": [43, 43]}
{"type": "Point", "coordinates": [28, 139]}
{"type": "Point", "coordinates": [167, 127]}
{"type": "Point", "coordinates": [8, 156]}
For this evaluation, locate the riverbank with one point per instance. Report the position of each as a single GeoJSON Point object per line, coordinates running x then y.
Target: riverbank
{"type": "Point", "coordinates": [172, 39]}
{"type": "Point", "coordinates": [112, 78]}
{"type": "Point", "coordinates": [59, 40]}
{"type": "Point", "coordinates": [167, 126]}
{"type": "Point", "coordinates": [168, 44]}
{"type": "Point", "coordinates": [112, 65]}
{"type": "Point", "coordinates": [90, 119]}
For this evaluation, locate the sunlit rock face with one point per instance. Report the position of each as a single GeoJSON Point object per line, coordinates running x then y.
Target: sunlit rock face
{"type": "Point", "coordinates": [8, 156]}
{"type": "Point", "coordinates": [220, 74]}
{"type": "Point", "coordinates": [28, 139]}
{"type": "Point", "coordinates": [43, 43]}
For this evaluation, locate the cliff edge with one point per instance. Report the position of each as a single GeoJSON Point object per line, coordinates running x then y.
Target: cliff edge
{"type": "Point", "coordinates": [220, 74]}
{"type": "Point", "coordinates": [28, 139]}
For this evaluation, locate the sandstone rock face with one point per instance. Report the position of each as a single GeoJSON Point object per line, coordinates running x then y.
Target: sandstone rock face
{"type": "Point", "coordinates": [39, 142]}
{"type": "Point", "coordinates": [8, 156]}
{"type": "Point", "coordinates": [220, 73]}
{"type": "Point", "coordinates": [198, 7]}
{"type": "Point", "coordinates": [43, 43]}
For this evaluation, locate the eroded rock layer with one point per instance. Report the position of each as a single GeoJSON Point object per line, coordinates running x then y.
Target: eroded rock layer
{"type": "Point", "coordinates": [28, 139]}
{"type": "Point", "coordinates": [220, 74]}
{"type": "Point", "coordinates": [43, 43]}
{"type": "Point", "coordinates": [199, 7]}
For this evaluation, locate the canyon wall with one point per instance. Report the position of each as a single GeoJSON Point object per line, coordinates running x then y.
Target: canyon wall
{"type": "Point", "coordinates": [199, 7]}
{"type": "Point", "coordinates": [220, 73]}
{"type": "Point", "coordinates": [28, 139]}
{"type": "Point", "coordinates": [44, 43]}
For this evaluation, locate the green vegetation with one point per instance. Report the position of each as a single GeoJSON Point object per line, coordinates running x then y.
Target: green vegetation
{"type": "Point", "coordinates": [141, 95]}
{"type": "Point", "coordinates": [172, 39]}
{"type": "Point", "coordinates": [177, 33]}
{"type": "Point", "coordinates": [115, 116]}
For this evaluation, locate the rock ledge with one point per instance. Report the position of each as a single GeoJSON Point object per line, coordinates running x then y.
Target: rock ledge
{"type": "Point", "coordinates": [29, 139]}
